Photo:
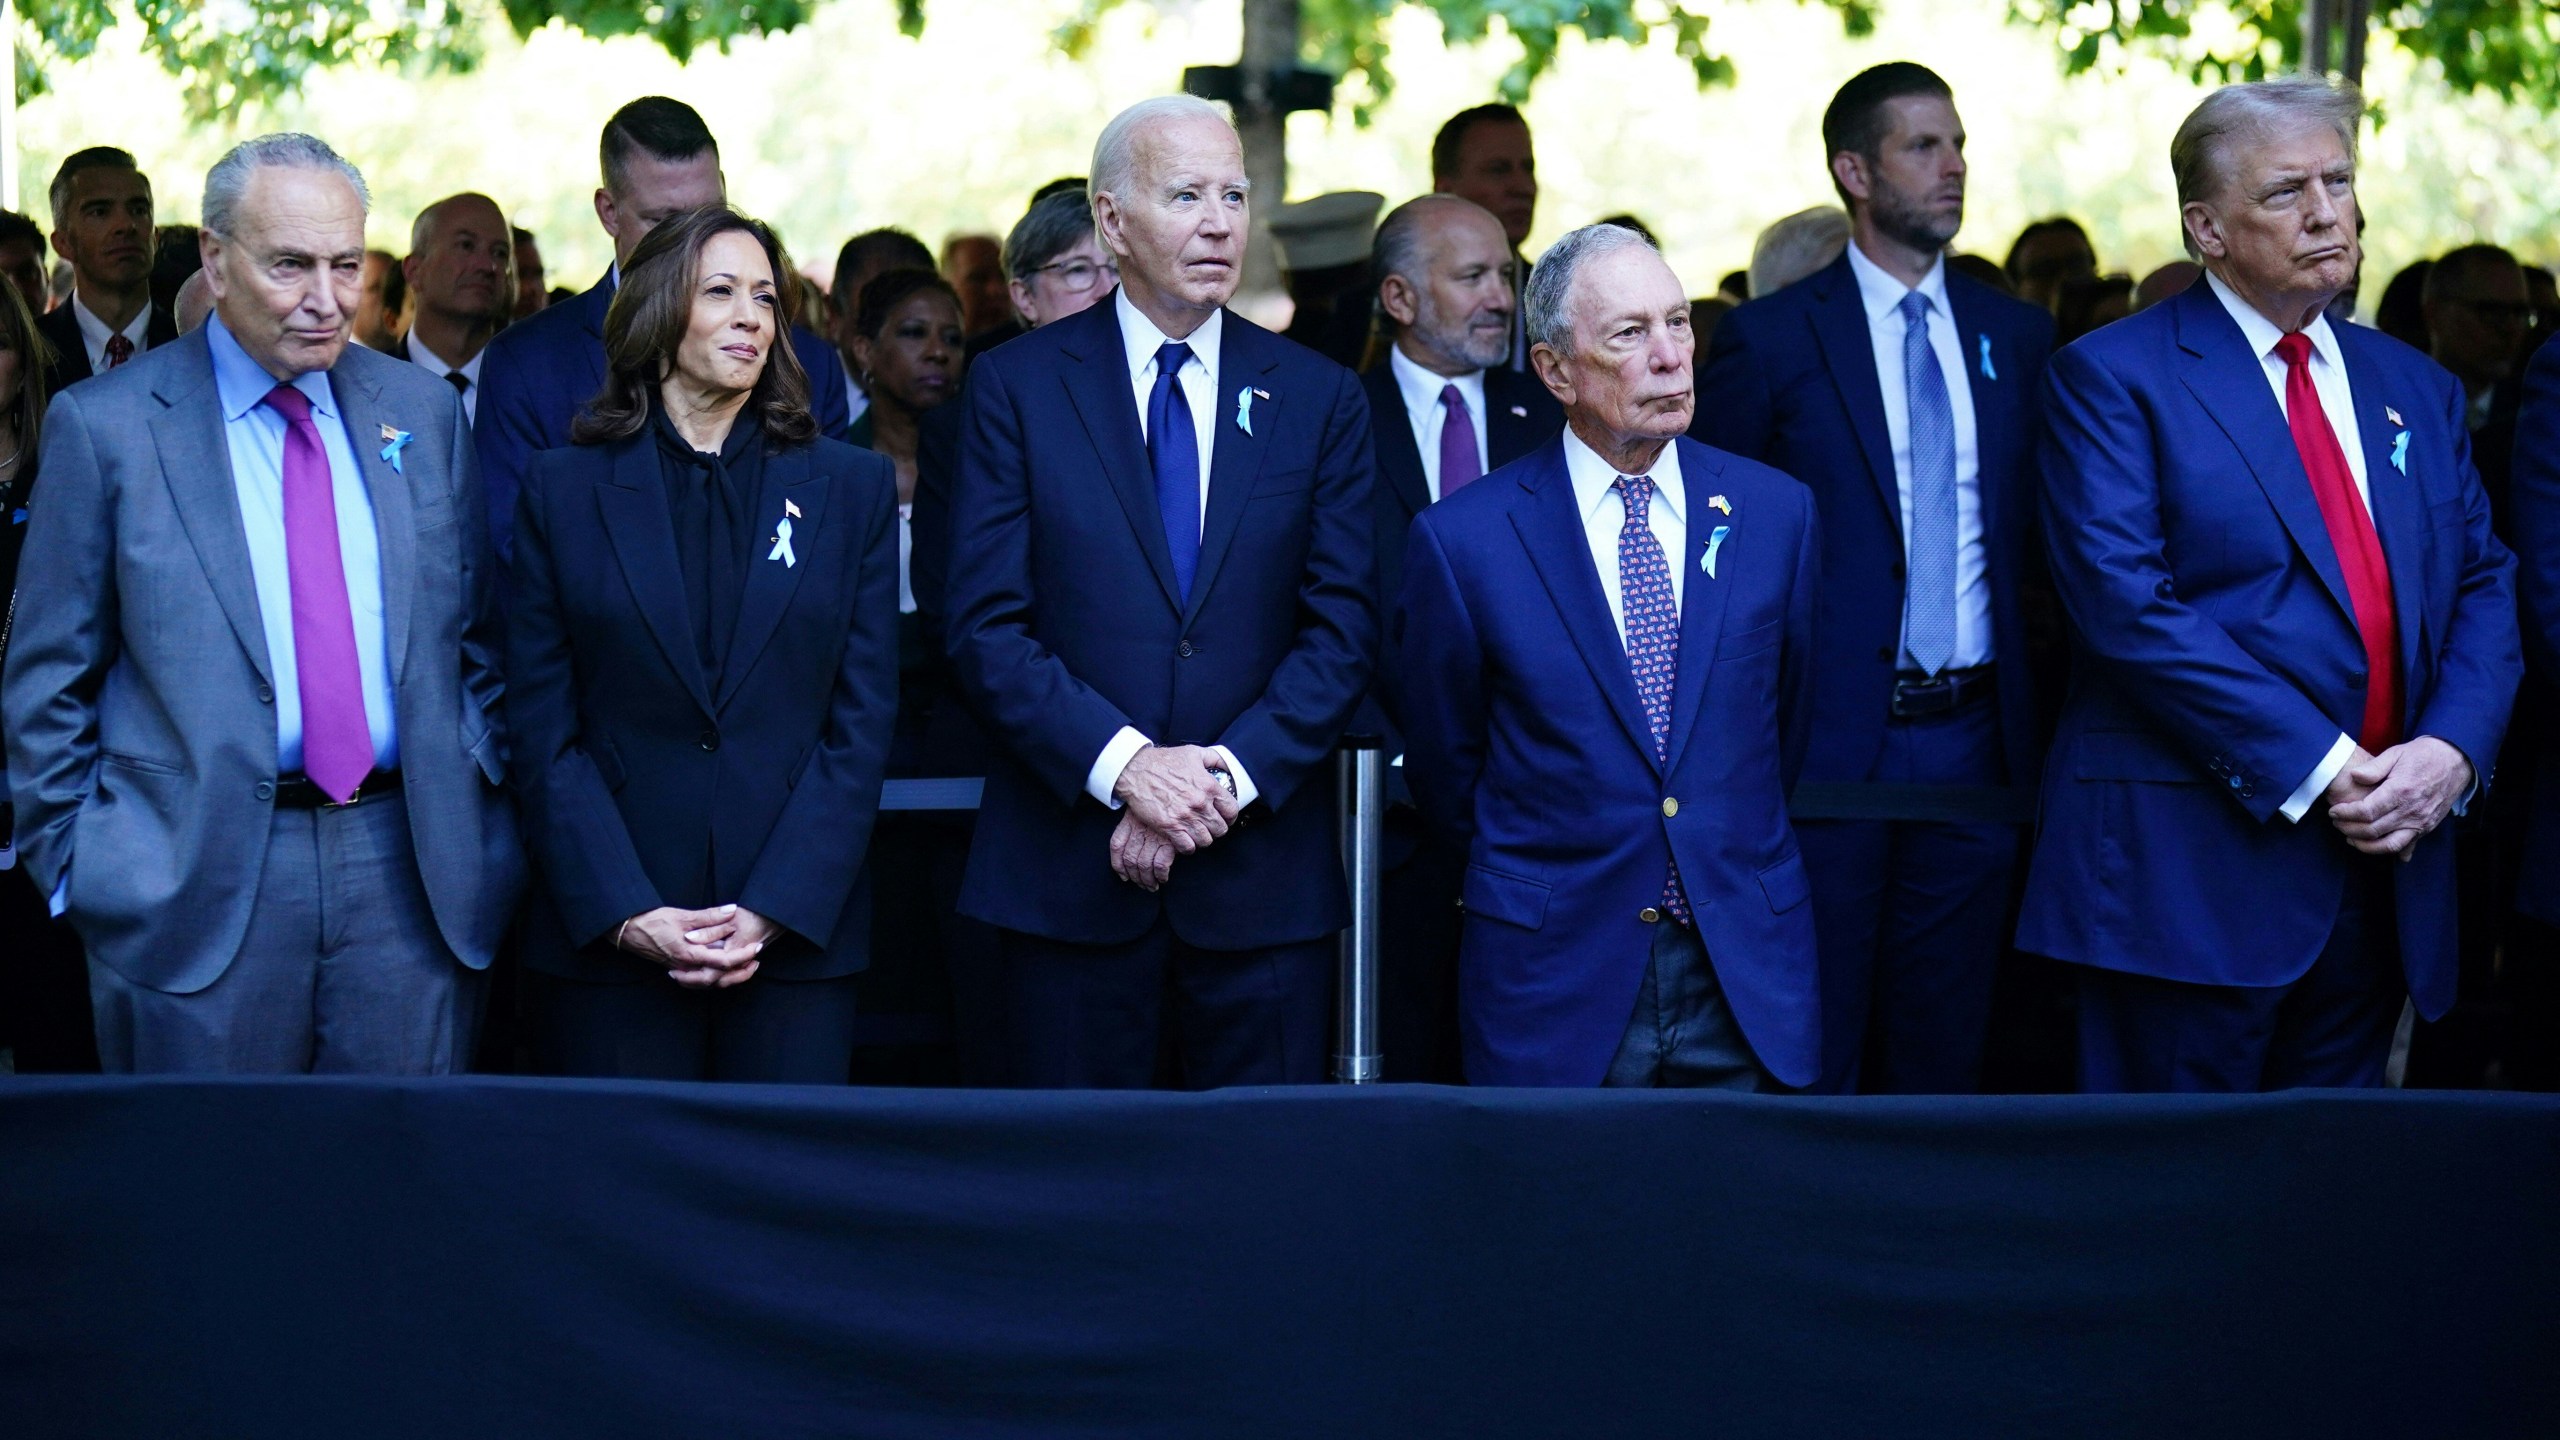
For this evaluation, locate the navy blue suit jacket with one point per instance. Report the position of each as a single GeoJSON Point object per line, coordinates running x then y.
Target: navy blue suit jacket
{"type": "Point", "coordinates": [1064, 626]}
{"type": "Point", "coordinates": [644, 786]}
{"type": "Point", "coordinates": [2216, 659]}
{"type": "Point", "coordinates": [2534, 507]}
{"type": "Point", "coordinates": [1527, 748]}
{"type": "Point", "coordinates": [1790, 379]}
{"type": "Point", "coordinates": [542, 370]}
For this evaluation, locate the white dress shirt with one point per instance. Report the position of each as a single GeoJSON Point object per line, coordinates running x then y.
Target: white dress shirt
{"type": "Point", "coordinates": [1604, 515]}
{"type": "Point", "coordinates": [1421, 390]}
{"type": "Point", "coordinates": [1140, 339]}
{"type": "Point", "coordinates": [856, 399]}
{"type": "Point", "coordinates": [906, 557]}
{"type": "Point", "coordinates": [95, 334]}
{"type": "Point", "coordinates": [440, 367]}
{"type": "Point", "coordinates": [2329, 377]}
{"type": "Point", "coordinates": [1882, 295]}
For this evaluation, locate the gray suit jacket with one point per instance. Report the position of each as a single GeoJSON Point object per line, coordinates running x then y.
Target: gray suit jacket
{"type": "Point", "coordinates": [139, 697]}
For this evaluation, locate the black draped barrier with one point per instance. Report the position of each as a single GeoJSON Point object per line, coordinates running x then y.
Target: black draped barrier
{"type": "Point", "coordinates": [493, 1257]}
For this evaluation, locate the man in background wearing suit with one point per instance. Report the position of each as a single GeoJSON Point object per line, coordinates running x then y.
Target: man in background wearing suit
{"type": "Point", "coordinates": [102, 227]}
{"type": "Point", "coordinates": [2285, 594]}
{"type": "Point", "coordinates": [1443, 411]}
{"type": "Point", "coordinates": [2532, 970]}
{"type": "Point", "coordinates": [1161, 601]}
{"type": "Point", "coordinates": [658, 160]}
{"type": "Point", "coordinates": [1602, 669]}
{"type": "Point", "coordinates": [1484, 154]}
{"type": "Point", "coordinates": [252, 702]}
{"type": "Point", "coordinates": [1904, 395]}
{"type": "Point", "coordinates": [462, 286]}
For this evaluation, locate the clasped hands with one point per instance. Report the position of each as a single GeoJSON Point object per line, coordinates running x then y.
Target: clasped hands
{"type": "Point", "coordinates": [2383, 803]}
{"type": "Point", "coordinates": [702, 949]}
{"type": "Point", "coordinates": [1171, 803]}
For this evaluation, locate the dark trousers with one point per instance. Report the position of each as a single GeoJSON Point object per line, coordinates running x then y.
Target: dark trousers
{"type": "Point", "coordinates": [1418, 927]}
{"type": "Point", "coordinates": [788, 1032]}
{"type": "Point", "coordinates": [1159, 1011]}
{"type": "Point", "coordinates": [1911, 918]}
{"type": "Point", "coordinates": [2332, 1027]}
{"type": "Point", "coordinates": [1683, 1034]}
{"type": "Point", "coordinates": [44, 985]}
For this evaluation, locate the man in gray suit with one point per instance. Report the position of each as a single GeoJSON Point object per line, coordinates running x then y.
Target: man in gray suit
{"type": "Point", "coordinates": [252, 702]}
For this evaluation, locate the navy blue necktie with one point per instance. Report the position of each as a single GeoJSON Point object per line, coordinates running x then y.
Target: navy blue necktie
{"type": "Point", "coordinates": [1173, 449]}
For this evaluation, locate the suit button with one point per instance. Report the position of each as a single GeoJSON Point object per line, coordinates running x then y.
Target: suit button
{"type": "Point", "coordinates": [710, 740]}
{"type": "Point", "coordinates": [1670, 808]}
{"type": "Point", "coordinates": [2235, 782]}
{"type": "Point", "coordinates": [2358, 677]}
{"type": "Point", "coordinates": [1649, 915]}
{"type": "Point", "coordinates": [1898, 572]}
{"type": "Point", "coordinates": [1183, 650]}
{"type": "Point", "coordinates": [266, 791]}
{"type": "Point", "coordinates": [1885, 653]}
{"type": "Point", "coordinates": [266, 696]}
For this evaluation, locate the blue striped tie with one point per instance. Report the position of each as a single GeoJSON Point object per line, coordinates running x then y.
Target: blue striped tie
{"type": "Point", "coordinates": [1929, 603]}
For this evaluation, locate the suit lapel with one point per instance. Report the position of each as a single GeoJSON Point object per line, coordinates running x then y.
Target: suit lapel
{"type": "Point", "coordinates": [1399, 457]}
{"type": "Point", "coordinates": [1702, 602]}
{"type": "Point", "coordinates": [636, 519]}
{"type": "Point", "coordinates": [2399, 515]}
{"type": "Point", "coordinates": [1550, 526]}
{"type": "Point", "coordinates": [2230, 384]}
{"type": "Point", "coordinates": [791, 477]}
{"type": "Point", "coordinates": [195, 461]}
{"type": "Point", "coordinates": [1098, 387]}
{"type": "Point", "coordinates": [1849, 351]}
{"type": "Point", "coordinates": [1511, 427]}
{"type": "Point", "coordinates": [1245, 356]}
{"type": "Point", "coordinates": [395, 519]}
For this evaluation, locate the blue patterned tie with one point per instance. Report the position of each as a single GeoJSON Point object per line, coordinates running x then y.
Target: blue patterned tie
{"type": "Point", "coordinates": [1653, 635]}
{"type": "Point", "coordinates": [1173, 449]}
{"type": "Point", "coordinates": [1929, 603]}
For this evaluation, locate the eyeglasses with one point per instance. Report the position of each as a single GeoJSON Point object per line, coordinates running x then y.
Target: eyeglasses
{"type": "Point", "coordinates": [1080, 274]}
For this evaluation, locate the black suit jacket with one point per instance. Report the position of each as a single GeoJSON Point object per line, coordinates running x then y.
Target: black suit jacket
{"type": "Point", "coordinates": [637, 779]}
{"type": "Point", "coordinates": [61, 328]}
{"type": "Point", "coordinates": [1519, 417]}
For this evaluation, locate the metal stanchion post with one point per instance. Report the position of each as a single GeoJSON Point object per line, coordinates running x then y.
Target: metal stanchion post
{"type": "Point", "coordinates": [1356, 1059]}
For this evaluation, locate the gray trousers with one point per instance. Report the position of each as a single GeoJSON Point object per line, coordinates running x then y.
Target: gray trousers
{"type": "Point", "coordinates": [342, 970]}
{"type": "Point", "coordinates": [1683, 1033]}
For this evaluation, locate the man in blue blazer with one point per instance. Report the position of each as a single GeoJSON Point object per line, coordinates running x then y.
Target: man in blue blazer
{"type": "Point", "coordinates": [1161, 602]}
{"type": "Point", "coordinates": [1603, 680]}
{"type": "Point", "coordinates": [1904, 395]}
{"type": "Point", "coordinates": [659, 160]}
{"type": "Point", "coordinates": [2534, 510]}
{"type": "Point", "coordinates": [2278, 565]}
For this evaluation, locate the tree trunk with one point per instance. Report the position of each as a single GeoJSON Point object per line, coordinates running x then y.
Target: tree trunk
{"type": "Point", "coordinates": [1270, 50]}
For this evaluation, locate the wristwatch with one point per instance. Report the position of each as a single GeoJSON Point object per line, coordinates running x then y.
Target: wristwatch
{"type": "Point", "coordinates": [1227, 780]}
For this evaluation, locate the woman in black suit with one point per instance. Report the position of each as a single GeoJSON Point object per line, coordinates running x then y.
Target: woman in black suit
{"type": "Point", "coordinates": [702, 676]}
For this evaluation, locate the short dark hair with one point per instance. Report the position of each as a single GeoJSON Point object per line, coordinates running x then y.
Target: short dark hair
{"type": "Point", "coordinates": [2014, 266]}
{"type": "Point", "coordinates": [14, 226]}
{"type": "Point", "coordinates": [1855, 122]}
{"type": "Point", "coordinates": [651, 311]}
{"type": "Point", "coordinates": [1453, 133]}
{"type": "Point", "coordinates": [1063, 183]}
{"type": "Point", "coordinates": [2460, 264]}
{"type": "Point", "coordinates": [901, 250]}
{"type": "Point", "coordinates": [1050, 228]}
{"type": "Point", "coordinates": [888, 290]}
{"type": "Point", "coordinates": [654, 125]}
{"type": "Point", "coordinates": [518, 235]}
{"type": "Point", "coordinates": [96, 157]}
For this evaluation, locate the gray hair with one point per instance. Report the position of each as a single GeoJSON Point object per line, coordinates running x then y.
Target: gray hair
{"type": "Point", "coordinates": [230, 174]}
{"type": "Point", "coordinates": [2198, 152]}
{"type": "Point", "coordinates": [1115, 150]}
{"type": "Point", "coordinates": [1547, 308]}
{"type": "Point", "coordinates": [1397, 250]}
{"type": "Point", "coordinates": [1049, 229]}
{"type": "Point", "coordinates": [1797, 246]}
{"type": "Point", "coordinates": [423, 229]}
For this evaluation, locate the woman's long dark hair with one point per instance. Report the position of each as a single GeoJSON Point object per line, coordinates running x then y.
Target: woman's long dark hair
{"type": "Point", "coordinates": [652, 310]}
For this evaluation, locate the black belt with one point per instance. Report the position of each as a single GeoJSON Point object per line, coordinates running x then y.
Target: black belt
{"type": "Point", "coordinates": [300, 792]}
{"type": "Point", "coordinates": [1953, 690]}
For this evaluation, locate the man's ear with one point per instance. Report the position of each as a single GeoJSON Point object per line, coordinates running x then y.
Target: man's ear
{"type": "Point", "coordinates": [1108, 223]}
{"type": "Point", "coordinates": [607, 213]}
{"type": "Point", "coordinates": [2204, 230]}
{"type": "Point", "coordinates": [1396, 296]}
{"type": "Point", "coordinates": [1849, 171]}
{"type": "Point", "coordinates": [1552, 373]}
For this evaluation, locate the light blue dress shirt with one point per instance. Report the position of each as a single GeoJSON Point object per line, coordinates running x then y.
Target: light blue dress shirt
{"type": "Point", "coordinates": [255, 434]}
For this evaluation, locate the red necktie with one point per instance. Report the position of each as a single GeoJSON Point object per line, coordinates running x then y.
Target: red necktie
{"type": "Point", "coordinates": [119, 350]}
{"type": "Point", "coordinates": [2352, 535]}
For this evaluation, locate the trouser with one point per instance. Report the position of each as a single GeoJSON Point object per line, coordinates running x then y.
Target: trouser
{"type": "Point", "coordinates": [2332, 1027]}
{"type": "Point", "coordinates": [44, 984]}
{"type": "Point", "coordinates": [1161, 1011]}
{"type": "Point", "coordinates": [1683, 1034]}
{"type": "Point", "coordinates": [791, 1032]}
{"type": "Point", "coordinates": [1418, 929]}
{"type": "Point", "coordinates": [1910, 918]}
{"type": "Point", "coordinates": [342, 969]}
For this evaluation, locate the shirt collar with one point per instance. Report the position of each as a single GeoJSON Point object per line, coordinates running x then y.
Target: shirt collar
{"type": "Point", "coordinates": [1592, 476]}
{"type": "Point", "coordinates": [95, 330]}
{"type": "Point", "coordinates": [242, 384]}
{"type": "Point", "coordinates": [1142, 339]}
{"type": "Point", "coordinates": [437, 365]}
{"type": "Point", "coordinates": [2261, 332]}
{"type": "Point", "coordinates": [1421, 388]}
{"type": "Point", "coordinates": [1883, 294]}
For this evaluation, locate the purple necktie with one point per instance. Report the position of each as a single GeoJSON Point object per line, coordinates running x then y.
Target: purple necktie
{"type": "Point", "coordinates": [1459, 462]}
{"type": "Point", "coordinates": [1653, 635]}
{"type": "Point", "coordinates": [337, 744]}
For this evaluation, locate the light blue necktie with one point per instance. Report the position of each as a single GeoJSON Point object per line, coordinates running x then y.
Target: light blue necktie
{"type": "Point", "coordinates": [1929, 601]}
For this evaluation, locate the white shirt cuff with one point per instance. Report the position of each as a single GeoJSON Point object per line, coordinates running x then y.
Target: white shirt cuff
{"type": "Point", "coordinates": [2317, 783]}
{"type": "Point", "coordinates": [1245, 790]}
{"type": "Point", "coordinates": [1104, 777]}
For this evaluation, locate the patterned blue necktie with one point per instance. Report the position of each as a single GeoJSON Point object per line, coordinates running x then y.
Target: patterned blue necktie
{"type": "Point", "coordinates": [1173, 449]}
{"type": "Point", "coordinates": [1653, 635]}
{"type": "Point", "coordinates": [1929, 602]}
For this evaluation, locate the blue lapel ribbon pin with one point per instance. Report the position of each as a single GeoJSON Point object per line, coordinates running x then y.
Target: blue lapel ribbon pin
{"type": "Point", "coordinates": [2400, 452]}
{"type": "Point", "coordinates": [782, 539]}
{"type": "Point", "coordinates": [1715, 542]}
{"type": "Point", "coordinates": [1244, 409]}
{"type": "Point", "coordinates": [1988, 373]}
{"type": "Point", "coordinates": [393, 442]}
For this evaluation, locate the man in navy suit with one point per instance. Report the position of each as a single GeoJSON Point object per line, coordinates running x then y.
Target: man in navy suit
{"type": "Point", "coordinates": [1903, 395]}
{"type": "Point", "coordinates": [1161, 602]}
{"type": "Point", "coordinates": [1603, 655]}
{"type": "Point", "coordinates": [659, 160]}
{"type": "Point", "coordinates": [2534, 520]}
{"type": "Point", "coordinates": [1443, 410]}
{"type": "Point", "coordinates": [2285, 594]}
